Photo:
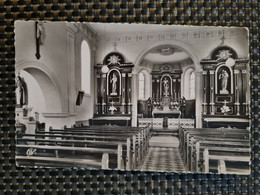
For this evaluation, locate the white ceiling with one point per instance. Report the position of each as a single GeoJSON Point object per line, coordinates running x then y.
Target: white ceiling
{"type": "Point", "coordinates": [165, 54]}
{"type": "Point", "coordinates": [115, 28]}
{"type": "Point", "coordinates": [158, 58]}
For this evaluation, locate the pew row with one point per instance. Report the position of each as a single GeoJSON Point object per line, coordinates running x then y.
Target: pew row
{"type": "Point", "coordinates": [200, 148]}
{"type": "Point", "coordinates": [133, 144]}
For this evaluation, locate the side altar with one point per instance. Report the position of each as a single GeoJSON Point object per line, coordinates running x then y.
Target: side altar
{"type": "Point", "coordinates": [225, 89]}
{"type": "Point", "coordinates": [113, 91]}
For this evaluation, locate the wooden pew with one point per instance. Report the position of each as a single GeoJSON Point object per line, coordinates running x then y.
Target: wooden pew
{"type": "Point", "coordinates": [101, 145]}
{"type": "Point", "coordinates": [140, 137]}
{"type": "Point", "coordinates": [136, 146]}
{"type": "Point", "coordinates": [217, 142]}
{"type": "Point", "coordinates": [36, 160]}
{"type": "Point", "coordinates": [239, 155]}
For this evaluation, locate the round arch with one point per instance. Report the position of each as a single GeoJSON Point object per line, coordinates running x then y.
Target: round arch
{"type": "Point", "coordinates": [179, 45]}
{"type": "Point", "coordinates": [47, 82]}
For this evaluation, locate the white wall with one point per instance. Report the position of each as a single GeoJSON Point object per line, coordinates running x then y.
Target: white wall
{"type": "Point", "coordinates": [60, 58]}
{"type": "Point", "coordinates": [59, 63]}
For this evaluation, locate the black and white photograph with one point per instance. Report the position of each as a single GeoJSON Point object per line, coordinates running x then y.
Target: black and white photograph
{"type": "Point", "coordinates": [147, 97]}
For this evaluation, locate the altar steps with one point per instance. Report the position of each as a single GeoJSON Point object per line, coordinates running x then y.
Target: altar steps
{"type": "Point", "coordinates": [164, 132]}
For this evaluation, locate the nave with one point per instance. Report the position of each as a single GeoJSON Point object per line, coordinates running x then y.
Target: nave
{"type": "Point", "coordinates": [219, 150]}
{"type": "Point", "coordinates": [164, 155]}
{"type": "Point", "coordinates": [103, 95]}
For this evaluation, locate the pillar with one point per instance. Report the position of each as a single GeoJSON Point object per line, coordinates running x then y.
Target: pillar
{"type": "Point", "coordinates": [246, 92]}
{"type": "Point", "coordinates": [123, 93]}
{"type": "Point", "coordinates": [198, 99]}
{"type": "Point", "coordinates": [174, 90]}
{"type": "Point", "coordinates": [211, 87]}
{"type": "Point", "coordinates": [103, 93]}
{"type": "Point", "coordinates": [204, 103]}
{"type": "Point", "coordinates": [98, 99]}
{"type": "Point", "coordinates": [134, 100]}
{"type": "Point", "coordinates": [237, 92]}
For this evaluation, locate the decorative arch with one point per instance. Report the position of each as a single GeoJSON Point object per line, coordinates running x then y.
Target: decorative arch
{"type": "Point", "coordinates": [114, 58]}
{"type": "Point", "coordinates": [223, 52]}
{"type": "Point", "coordinates": [47, 82]}
{"type": "Point", "coordinates": [180, 45]}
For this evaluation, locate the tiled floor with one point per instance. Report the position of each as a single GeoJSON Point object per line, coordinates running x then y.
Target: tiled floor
{"type": "Point", "coordinates": [163, 155]}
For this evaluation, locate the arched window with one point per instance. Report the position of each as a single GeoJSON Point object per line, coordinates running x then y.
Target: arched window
{"type": "Point", "coordinates": [85, 67]}
{"type": "Point", "coordinates": [141, 86]}
{"type": "Point", "coordinates": [192, 85]}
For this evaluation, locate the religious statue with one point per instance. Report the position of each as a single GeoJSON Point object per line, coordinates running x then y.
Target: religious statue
{"type": "Point", "coordinates": [114, 83]}
{"type": "Point", "coordinates": [166, 87]}
{"type": "Point", "coordinates": [20, 92]}
{"type": "Point", "coordinates": [223, 77]}
{"type": "Point", "coordinates": [39, 32]}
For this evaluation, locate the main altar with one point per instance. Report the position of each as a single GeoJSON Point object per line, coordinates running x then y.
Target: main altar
{"type": "Point", "coordinates": [166, 100]}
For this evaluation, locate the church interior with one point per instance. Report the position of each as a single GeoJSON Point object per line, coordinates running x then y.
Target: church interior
{"type": "Point", "coordinates": [132, 96]}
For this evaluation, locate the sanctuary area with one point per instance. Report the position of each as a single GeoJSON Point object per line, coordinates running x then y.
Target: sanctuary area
{"type": "Point", "coordinates": [132, 96]}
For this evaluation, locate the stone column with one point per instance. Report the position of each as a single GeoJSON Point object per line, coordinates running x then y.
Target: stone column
{"type": "Point", "coordinates": [204, 103]}
{"type": "Point", "coordinates": [158, 92]}
{"type": "Point", "coordinates": [178, 89]}
{"type": "Point", "coordinates": [237, 101]}
{"type": "Point", "coordinates": [199, 97]}
{"type": "Point", "coordinates": [153, 89]}
{"type": "Point", "coordinates": [123, 93]}
{"type": "Point", "coordinates": [174, 91]}
{"type": "Point", "coordinates": [246, 92]}
{"type": "Point", "coordinates": [134, 99]}
{"type": "Point", "coordinates": [98, 103]}
{"type": "Point", "coordinates": [211, 87]}
{"type": "Point", "coordinates": [103, 93]}
{"type": "Point", "coordinates": [129, 93]}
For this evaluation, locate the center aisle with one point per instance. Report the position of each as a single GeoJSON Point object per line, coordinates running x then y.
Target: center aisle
{"type": "Point", "coordinates": [163, 155]}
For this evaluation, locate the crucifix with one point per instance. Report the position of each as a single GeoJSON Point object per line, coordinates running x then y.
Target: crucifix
{"type": "Point", "coordinates": [115, 45]}
{"type": "Point", "coordinates": [38, 36]}
{"type": "Point", "coordinates": [222, 38]}
{"type": "Point", "coordinates": [112, 108]}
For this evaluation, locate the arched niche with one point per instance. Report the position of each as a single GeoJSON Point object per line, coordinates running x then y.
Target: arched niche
{"type": "Point", "coordinates": [48, 85]}
{"type": "Point", "coordinates": [223, 74]}
{"type": "Point", "coordinates": [114, 82]}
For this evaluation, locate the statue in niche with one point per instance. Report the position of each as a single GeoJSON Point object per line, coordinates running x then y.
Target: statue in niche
{"type": "Point", "coordinates": [21, 98]}
{"type": "Point", "coordinates": [114, 84]}
{"type": "Point", "coordinates": [223, 77]}
{"type": "Point", "coordinates": [166, 87]}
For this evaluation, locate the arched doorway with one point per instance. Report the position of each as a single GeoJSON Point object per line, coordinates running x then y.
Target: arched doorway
{"type": "Point", "coordinates": [175, 75]}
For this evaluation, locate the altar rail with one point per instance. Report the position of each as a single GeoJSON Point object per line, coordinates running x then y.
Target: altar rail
{"type": "Point", "coordinates": [172, 122]}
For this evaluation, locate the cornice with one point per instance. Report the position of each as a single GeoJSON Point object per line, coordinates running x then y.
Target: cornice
{"type": "Point", "coordinates": [170, 35]}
